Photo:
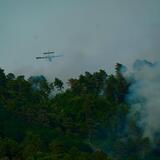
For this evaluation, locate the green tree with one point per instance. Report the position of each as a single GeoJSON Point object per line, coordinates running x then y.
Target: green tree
{"type": "Point", "coordinates": [58, 84]}
{"type": "Point", "coordinates": [31, 145]}
{"type": "Point", "coordinates": [8, 149]}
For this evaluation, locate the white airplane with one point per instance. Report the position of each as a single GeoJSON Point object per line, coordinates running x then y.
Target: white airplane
{"type": "Point", "coordinates": [49, 56]}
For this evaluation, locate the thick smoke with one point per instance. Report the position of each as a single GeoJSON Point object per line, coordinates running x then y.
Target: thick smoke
{"type": "Point", "coordinates": [144, 96]}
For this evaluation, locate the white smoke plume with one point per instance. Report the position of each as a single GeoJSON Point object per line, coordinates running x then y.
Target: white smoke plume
{"type": "Point", "coordinates": [144, 96]}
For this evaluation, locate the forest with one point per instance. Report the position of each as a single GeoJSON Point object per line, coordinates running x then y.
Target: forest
{"type": "Point", "coordinates": [87, 120]}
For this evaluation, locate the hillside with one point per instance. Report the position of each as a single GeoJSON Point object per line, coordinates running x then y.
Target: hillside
{"type": "Point", "coordinates": [90, 120]}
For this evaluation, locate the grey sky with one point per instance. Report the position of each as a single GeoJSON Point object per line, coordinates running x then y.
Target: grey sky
{"type": "Point", "coordinates": [91, 34]}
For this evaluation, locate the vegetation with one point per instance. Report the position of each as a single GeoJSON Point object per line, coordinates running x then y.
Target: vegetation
{"type": "Point", "coordinates": [87, 121]}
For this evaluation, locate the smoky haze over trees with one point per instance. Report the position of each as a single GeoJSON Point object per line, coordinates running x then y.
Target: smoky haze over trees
{"type": "Point", "coordinates": [80, 107]}
{"type": "Point", "coordinates": [94, 118]}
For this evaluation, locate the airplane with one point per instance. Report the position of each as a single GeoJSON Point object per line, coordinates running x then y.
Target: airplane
{"type": "Point", "coordinates": [49, 56]}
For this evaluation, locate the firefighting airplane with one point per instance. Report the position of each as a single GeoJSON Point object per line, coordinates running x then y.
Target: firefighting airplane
{"type": "Point", "coordinates": [49, 56]}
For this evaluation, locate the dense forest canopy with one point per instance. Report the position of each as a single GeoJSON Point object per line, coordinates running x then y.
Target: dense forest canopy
{"type": "Point", "coordinates": [90, 120]}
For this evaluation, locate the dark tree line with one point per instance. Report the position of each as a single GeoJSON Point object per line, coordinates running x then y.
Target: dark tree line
{"type": "Point", "coordinates": [87, 121]}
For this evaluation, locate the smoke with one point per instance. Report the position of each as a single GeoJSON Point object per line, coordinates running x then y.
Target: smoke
{"type": "Point", "coordinates": [144, 96]}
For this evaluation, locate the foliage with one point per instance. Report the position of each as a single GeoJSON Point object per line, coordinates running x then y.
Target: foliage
{"type": "Point", "coordinates": [87, 121]}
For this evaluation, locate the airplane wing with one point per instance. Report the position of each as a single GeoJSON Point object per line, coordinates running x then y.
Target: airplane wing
{"type": "Point", "coordinates": [41, 57]}
{"type": "Point", "coordinates": [56, 56]}
{"type": "Point", "coordinates": [48, 52]}
{"type": "Point", "coordinates": [49, 57]}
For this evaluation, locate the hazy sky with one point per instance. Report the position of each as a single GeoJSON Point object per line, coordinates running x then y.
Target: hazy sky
{"type": "Point", "coordinates": [91, 34]}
